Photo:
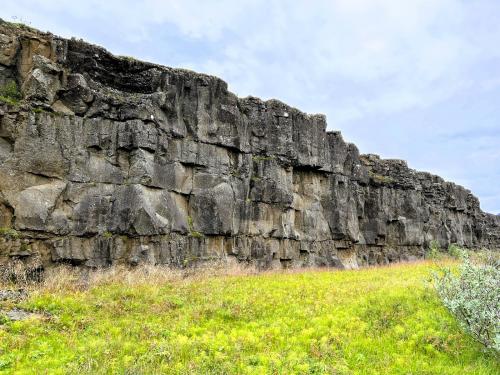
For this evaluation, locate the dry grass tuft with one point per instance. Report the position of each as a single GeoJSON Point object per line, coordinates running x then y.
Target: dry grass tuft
{"type": "Point", "coordinates": [20, 274]}
{"type": "Point", "coordinates": [69, 278]}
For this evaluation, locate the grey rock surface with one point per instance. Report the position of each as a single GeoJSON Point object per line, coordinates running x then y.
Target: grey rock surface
{"type": "Point", "coordinates": [111, 160]}
{"type": "Point", "coordinates": [19, 314]}
{"type": "Point", "coordinates": [12, 295]}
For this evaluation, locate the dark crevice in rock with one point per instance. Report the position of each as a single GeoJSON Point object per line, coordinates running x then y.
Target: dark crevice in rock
{"type": "Point", "coordinates": [41, 174]}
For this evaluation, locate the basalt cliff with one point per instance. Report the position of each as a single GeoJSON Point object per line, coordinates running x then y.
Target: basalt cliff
{"type": "Point", "coordinates": [106, 159]}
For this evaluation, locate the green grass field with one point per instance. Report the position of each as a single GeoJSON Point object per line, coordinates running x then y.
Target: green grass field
{"type": "Point", "coordinates": [384, 320]}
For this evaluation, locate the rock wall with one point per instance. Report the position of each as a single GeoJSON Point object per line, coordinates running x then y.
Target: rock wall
{"type": "Point", "coordinates": [105, 159]}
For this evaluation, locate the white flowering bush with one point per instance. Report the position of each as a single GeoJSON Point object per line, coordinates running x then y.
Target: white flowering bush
{"type": "Point", "coordinates": [472, 295]}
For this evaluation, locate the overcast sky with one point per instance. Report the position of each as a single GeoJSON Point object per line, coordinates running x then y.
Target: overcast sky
{"type": "Point", "coordinates": [414, 79]}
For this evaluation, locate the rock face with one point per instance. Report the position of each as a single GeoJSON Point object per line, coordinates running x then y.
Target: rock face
{"type": "Point", "coordinates": [107, 159]}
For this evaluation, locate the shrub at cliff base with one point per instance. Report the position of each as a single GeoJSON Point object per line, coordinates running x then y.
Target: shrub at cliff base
{"type": "Point", "coordinates": [472, 295]}
{"type": "Point", "coordinates": [386, 320]}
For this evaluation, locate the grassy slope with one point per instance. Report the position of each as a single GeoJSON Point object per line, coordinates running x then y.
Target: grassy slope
{"type": "Point", "coordinates": [374, 321]}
